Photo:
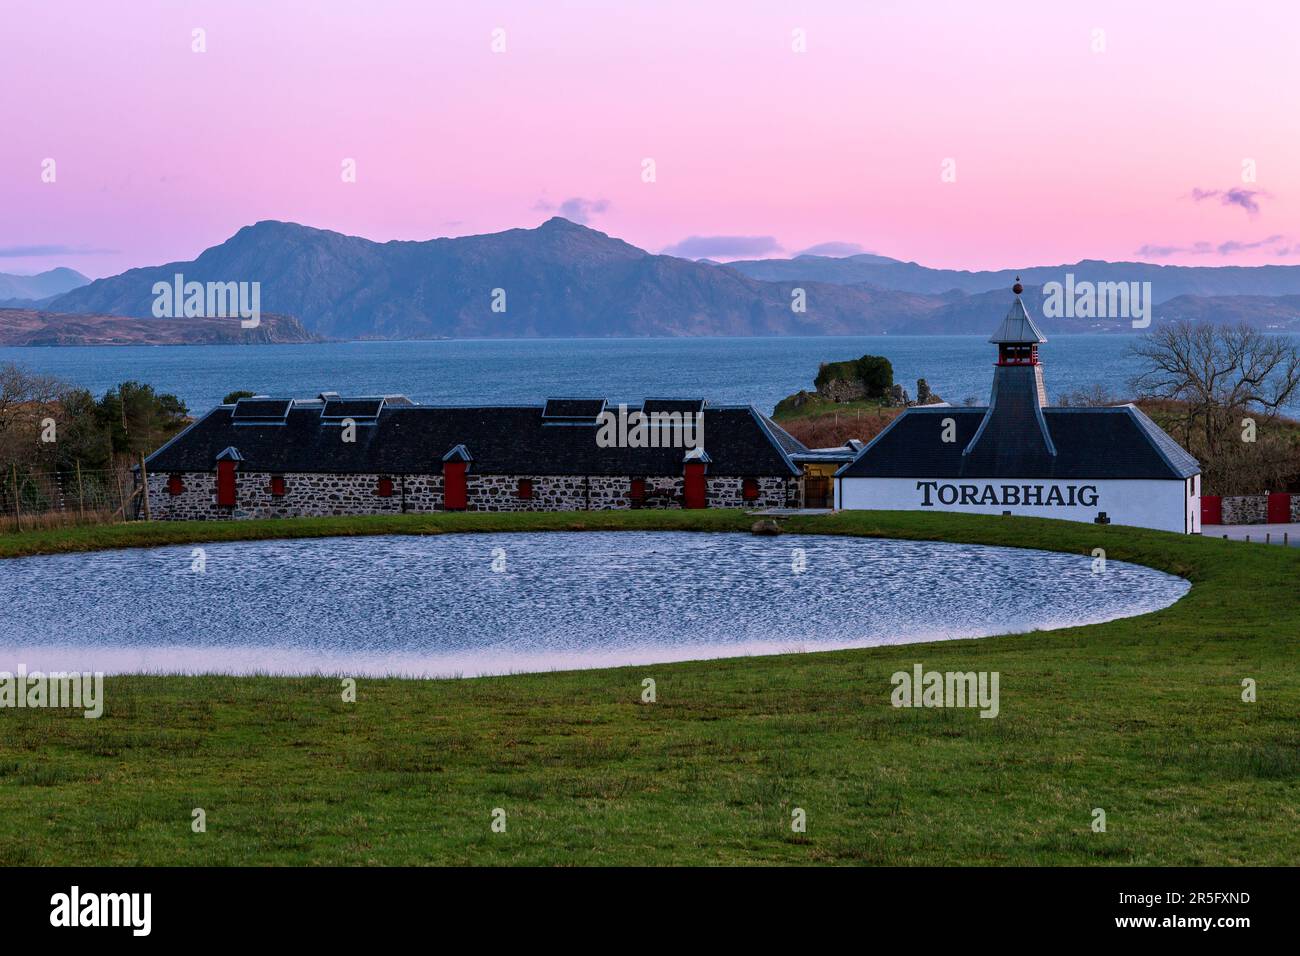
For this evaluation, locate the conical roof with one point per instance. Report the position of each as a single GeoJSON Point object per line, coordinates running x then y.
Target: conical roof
{"type": "Point", "coordinates": [1017, 327]}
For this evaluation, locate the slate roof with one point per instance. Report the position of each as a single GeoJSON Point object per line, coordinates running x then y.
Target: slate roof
{"type": "Point", "coordinates": [788, 444]}
{"type": "Point", "coordinates": [1093, 443]}
{"type": "Point", "coordinates": [841, 453]}
{"type": "Point", "coordinates": [502, 439]}
{"type": "Point", "coordinates": [1179, 458]}
{"type": "Point", "coordinates": [1014, 437]}
{"type": "Point", "coordinates": [1017, 327]}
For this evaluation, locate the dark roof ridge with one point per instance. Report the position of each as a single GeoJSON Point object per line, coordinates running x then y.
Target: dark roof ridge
{"type": "Point", "coordinates": [1160, 439]}
{"type": "Point", "coordinates": [767, 426]}
{"type": "Point", "coordinates": [871, 444]}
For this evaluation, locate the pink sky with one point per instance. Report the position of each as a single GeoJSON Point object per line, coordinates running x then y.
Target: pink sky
{"type": "Point", "coordinates": [1061, 153]}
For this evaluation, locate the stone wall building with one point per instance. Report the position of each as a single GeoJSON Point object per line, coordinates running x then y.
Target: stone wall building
{"type": "Point", "coordinates": [274, 458]}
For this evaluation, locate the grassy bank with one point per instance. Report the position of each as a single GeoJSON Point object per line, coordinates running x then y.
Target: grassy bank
{"type": "Point", "coordinates": [1142, 718]}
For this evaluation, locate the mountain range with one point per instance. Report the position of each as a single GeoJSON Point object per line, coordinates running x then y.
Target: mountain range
{"type": "Point", "coordinates": [1167, 282]}
{"type": "Point", "coordinates": [564, 279]}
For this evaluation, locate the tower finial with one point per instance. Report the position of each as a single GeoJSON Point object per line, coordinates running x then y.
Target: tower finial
{"type": "Point", "coordinates": [1017, 288]}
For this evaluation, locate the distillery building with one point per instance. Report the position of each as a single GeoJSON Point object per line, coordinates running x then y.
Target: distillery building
{"type": "Point", "coordinates": [1023, 457]}
{"type": "Point", "coordinates": [332, 455]}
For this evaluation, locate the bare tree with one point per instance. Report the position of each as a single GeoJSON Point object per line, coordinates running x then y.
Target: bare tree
{"type": "Point", "coordinates": [1220, 387]}
{"type": "Point", "coordinates": [25, 399]}
{"type": "Point", "coordinates": [1095, 396]}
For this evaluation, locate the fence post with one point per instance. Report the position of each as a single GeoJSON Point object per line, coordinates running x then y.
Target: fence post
{"type": "Point", "coordinates": [144, 487]}
{"type": "Point", "coordinates": [121, 493]}
{"type": "Point", "coordinates": [18, 508]}
{"type": "Point", "coordinates": [81, 493]}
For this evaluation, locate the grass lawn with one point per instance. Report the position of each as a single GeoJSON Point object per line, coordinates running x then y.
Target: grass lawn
{"type": "Point", "coordinates": [1142, 718]}
{"type": "Point", "coordinates": [815, 405]}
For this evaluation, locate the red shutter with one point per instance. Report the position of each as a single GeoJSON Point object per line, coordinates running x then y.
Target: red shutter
{"type": "Point", "coordinates": [636, 491]}
{"type": "Point", "coordinates": [175, 485]}
{"type": "Point", "coordinates": [749, 489]}
{"type": "Point", "coordinates": [695, 494]}
{"type": "Point", "coordinates": [453, 485]}
{"type": "Point", "coordinates": [385, 488]}
{"type": "Point", "coordinates": [525, 490]}
{"type": "Point", "coordinates": [226, 484]}
{"type": "Point", "coordinates": [277, 486]}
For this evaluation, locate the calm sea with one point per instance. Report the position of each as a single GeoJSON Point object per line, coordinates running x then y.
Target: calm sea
{"type": "Point", "coordinates": [757, 370]}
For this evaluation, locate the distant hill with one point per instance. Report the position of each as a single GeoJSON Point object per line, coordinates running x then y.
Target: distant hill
{"type": "Point", "coordinates": [564, 279]}
{"type": "Point", "coordinates": [40, 286]}
{"type": "Point", "coordinates": [560, 279]}
{"type": "Point", "coordinates": [1167, 282]}
{"type": "Point", "coordinates": [1277, 313]}
{"type": "Point", "coordinates": [36, 327]}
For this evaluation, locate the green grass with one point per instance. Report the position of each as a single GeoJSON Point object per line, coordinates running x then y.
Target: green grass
{"type": "Point", "coordinates": [815, 405]}
{"type": "Point", "coordinates": [1141, 717]}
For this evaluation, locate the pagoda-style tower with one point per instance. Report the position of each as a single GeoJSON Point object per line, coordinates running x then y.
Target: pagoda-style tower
{"type": "Point", "coordinates": [1013, 440]}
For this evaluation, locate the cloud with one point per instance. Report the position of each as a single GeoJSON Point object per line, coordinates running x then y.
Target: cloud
{"type": "Point", "coordinates": [723, 247]}
{"type": "Point", "coordinates": [575, 209]}
{"type": "Point", "coordinates": [1152, 251]}
{"type": "Point", "coordinates": [834, 249]}
{"type": "Point", "coordinates": [1203, 248]}
{"type": "Point", "coordinates": [24, 252]}
{"type": "Point", "coordinates": [1245, 198]}
{"type": "Point", "coordinates": [1232, 245]}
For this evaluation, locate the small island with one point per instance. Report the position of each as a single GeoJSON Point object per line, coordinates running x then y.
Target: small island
{"type": "Point", "coordinates": [853, 399]}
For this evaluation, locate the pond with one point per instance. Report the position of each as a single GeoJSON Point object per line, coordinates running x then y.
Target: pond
{"type": "Point", "coordinates": [473, 604]}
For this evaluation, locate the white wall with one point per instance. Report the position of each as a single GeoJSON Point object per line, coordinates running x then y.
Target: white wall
{"type": "Point", "coordinates": [1164, 505]}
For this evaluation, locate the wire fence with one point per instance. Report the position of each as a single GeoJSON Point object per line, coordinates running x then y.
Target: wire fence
{"type": "Point", "coordinates": [34, 499]}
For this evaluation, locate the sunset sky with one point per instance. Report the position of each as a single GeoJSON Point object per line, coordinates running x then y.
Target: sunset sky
{"type": "Point", "coordinates": [1061, 151]}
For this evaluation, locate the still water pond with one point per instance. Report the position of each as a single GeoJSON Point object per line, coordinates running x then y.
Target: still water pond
{"type": "Point", "coordinates": [497, 603]}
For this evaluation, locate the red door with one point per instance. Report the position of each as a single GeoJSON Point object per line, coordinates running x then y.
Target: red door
{"type": "Point", "coordinates": [1279, 508]}
{"type": "Point", "coordinates": [1211, 509]}
{"type": "Point", "coordinates": [694, 491]}
{"type": "Point", "coordinates": [453, 485]}
{"type": "Point", "coordinates": [226, 484]}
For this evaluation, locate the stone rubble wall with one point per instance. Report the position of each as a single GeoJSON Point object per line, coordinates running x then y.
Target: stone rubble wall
{"type": "Point", "coordinates": [1252, 509]}
{"type": "Point", "coordinates": [317, 495]}
{"type": "Point", "coordinates": [1245, 509]}
{"type": "Point", "coordinates": [306, 495]}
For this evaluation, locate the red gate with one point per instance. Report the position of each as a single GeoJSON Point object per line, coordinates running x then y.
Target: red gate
{"type": "Point", "coordinates": [1279, 508]}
